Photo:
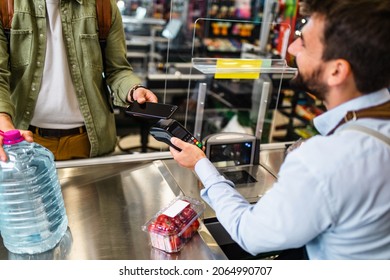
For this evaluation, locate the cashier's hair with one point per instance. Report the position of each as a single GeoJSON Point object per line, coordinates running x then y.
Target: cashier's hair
{"type": "Point", "coordinates": [357, 31]}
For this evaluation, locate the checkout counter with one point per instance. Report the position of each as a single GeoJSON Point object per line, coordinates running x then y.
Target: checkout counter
{"type": "Point", "coordinates": [109, 199]}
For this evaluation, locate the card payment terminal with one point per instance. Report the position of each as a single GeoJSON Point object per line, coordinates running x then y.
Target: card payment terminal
{"type": "Point", "coordinates": [164, 130]}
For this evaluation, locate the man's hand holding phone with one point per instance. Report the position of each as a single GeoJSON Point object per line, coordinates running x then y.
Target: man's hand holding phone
{"type": "Point", "coordinates": [141, 94]}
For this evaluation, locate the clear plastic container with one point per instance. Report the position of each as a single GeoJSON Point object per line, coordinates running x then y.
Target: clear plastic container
{"type": "Point", "coordinates": [32, 212]}
{"type": "Point", "coordinates": [173, 226]}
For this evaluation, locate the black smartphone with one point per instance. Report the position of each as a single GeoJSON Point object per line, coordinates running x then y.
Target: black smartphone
{"type": "Point", "coordinates": [151, 110]}
{"type": "Point", "coordinates": [164, 130]}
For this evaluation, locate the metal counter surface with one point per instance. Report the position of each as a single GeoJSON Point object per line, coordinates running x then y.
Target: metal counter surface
{"type": "Point", "coordinates": [272, 156]}
{"type": "Point", "coordinates": [107, 205]}
{"type": "Point", "coordinates": [191, 186]}
{"type": "Point", "coordinates": [107, 202]}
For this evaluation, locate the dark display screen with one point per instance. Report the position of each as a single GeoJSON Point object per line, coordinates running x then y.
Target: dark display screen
{"type": "Point", "coordinates": [179, 132]}
{"type": "Point", "coordinates": [239, 153]}
{"type": "Point", "coordinates": [239, 177]}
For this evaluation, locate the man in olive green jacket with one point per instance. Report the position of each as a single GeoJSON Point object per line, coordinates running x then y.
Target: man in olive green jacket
{"type": "Point", "coordinates": [51, 77]}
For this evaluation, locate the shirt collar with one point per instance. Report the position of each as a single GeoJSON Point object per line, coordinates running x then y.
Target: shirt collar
{"type": "Point", "coordinates": [327, 121]}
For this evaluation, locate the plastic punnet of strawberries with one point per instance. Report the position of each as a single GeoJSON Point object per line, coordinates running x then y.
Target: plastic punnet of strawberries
{"type": "Point", "coordinates": [172, 227]}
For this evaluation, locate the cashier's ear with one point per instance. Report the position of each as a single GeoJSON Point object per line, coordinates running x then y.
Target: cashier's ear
{"type": "Point", "coordinates": [340, 72]}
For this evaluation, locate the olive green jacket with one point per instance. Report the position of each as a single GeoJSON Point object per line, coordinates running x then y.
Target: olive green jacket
{"type": "Point", "coordinates": [21, 69]}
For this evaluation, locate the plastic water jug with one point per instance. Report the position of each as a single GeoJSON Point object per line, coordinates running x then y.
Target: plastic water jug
{"type": "Point", "coordinates": [32, 212]}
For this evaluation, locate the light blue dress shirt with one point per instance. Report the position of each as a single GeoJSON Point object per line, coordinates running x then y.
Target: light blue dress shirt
{"type": "Point", "coordinates": [332, 194]}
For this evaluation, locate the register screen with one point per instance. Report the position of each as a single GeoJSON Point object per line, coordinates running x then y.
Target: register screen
{"type": "Point", "coordinates": [237, 153]}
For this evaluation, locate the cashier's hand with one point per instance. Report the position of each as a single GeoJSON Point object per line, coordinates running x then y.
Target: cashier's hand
{"type": "Point", "coordinates": [189, 155]}
{"type": "Point", "coordinates": [142, 95]}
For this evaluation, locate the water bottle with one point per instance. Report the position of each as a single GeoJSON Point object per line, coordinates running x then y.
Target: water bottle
{"type": "Point", "coordinates": [32, 212]}
{"type": "Point", "coordinates": [60, 252]}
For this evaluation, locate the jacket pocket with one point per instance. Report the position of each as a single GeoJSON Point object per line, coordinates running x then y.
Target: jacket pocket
{"type": "Point", "coordinates": [21, 47]}
{"type": "Point", "coordinates": [92, 55]}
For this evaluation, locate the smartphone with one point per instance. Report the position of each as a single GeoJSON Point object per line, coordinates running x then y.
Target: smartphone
{"type": "Point", "coordinates": [164, 130]}
{"type": "Point", "coordinates": [151, 110]}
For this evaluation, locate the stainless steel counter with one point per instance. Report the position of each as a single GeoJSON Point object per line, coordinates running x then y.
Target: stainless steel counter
{"type": "Point", "coordinates": [109, 199]}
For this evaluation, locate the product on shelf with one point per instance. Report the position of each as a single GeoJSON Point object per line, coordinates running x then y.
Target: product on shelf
{"type": "Point", "coordinates": [307, 112]}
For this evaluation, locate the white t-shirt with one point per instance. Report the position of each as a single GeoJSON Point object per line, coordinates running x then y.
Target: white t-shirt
{"type": "Point", "coordinates": [57, 105]}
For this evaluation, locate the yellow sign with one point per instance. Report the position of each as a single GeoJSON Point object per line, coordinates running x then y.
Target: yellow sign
{"type": "Point", "coordinates": [239, 68]}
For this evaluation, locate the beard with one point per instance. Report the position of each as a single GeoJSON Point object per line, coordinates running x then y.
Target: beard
{"type": "Point", "coordinates": [312, 84]}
